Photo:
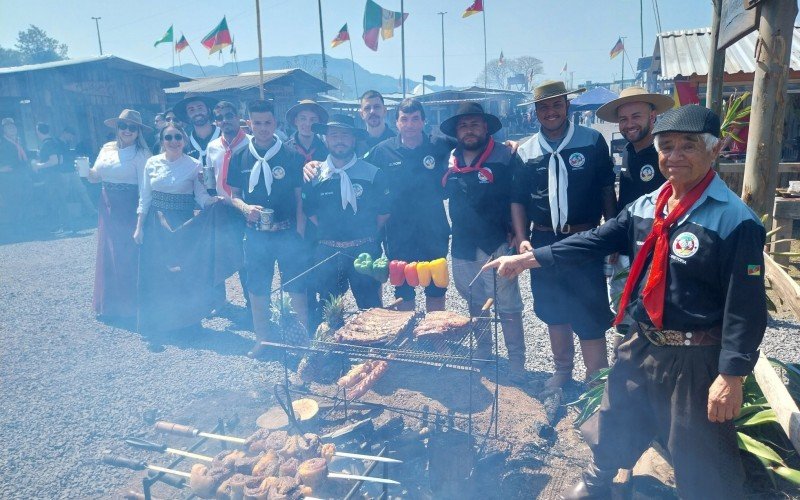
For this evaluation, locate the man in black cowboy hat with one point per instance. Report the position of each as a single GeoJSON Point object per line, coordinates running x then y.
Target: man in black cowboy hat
{"type": "Point", "coordinates": [696, 295]}
{"type": "Point", "coordinates": [565, 183]}
{"type": "Point", "coordinates": [348, 202]}
{"type": "Point", "coordinates": [414, 164]}
{"type": "Point", "coordinates": [195, 110]}
{"type": "Point", "coordinates": [478, 182]}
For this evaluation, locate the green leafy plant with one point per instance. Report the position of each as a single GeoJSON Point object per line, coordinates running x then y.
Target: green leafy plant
{"type": "Point", "coordinates": [734, 112]}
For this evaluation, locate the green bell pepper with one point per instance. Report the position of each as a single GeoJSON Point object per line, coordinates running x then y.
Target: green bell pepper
{"type": "Point", "coordinates": [363, 264]}
{"type": "Point", "coordinates": [380, 269]}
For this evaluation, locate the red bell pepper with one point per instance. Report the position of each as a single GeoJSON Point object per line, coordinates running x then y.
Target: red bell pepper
{"type": "Point", "coordinates": [412, 278]}
{"type": "Point", "coordinates": [396, 272]}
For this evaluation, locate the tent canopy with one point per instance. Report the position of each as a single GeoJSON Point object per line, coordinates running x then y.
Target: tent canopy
{"type": "Point", "coordinates": [592, 99]}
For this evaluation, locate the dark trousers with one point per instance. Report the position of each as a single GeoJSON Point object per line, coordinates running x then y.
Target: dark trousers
{"type": "Point", "coordinates": [661, 393]}
{"type": "Point", "coordinates": [336, 274]}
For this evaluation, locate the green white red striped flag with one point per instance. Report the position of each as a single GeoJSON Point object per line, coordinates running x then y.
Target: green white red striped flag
{"type": "Point", "coordinates": [182, 43]}
{"type": "Point", "coordinates": [218, 39]}
{"type": "Point", "coordinates": [380, 20]}
{"type": "Point", "coordinates": [342, 37]}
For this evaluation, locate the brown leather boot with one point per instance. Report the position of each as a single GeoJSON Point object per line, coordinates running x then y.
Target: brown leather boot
{"type": "Point", "coordinates": [515, 344]}
{"type": "Point", "coordinates": [563, 356]}
{"type": "Point", "coordinates": [595, 484]}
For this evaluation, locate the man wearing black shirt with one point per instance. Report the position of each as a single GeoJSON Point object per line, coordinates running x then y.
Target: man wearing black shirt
{"type": "Point", "coordinates": [348, 202]}
{"type": "Point", "coordinates": [564, 185]}
{"type": "Point", "coordinates": [265, 179]}
{"type": "Point", "coordinates": [15, 181]}
{"type": "Point", "coordinates": [302, 116]}
{"type": "Point", "coordinates": [196, 111]}
{"type": "Point", "coordinates": [373, 112]}
{"type": "Point", "coordinates": [635, 111]}
{"type": "Point", "coordinates": [479, 183]}
{"type": "Point", "coordinates": [414, 164]}
{"type": "Point", "coordinates": [50, 166]}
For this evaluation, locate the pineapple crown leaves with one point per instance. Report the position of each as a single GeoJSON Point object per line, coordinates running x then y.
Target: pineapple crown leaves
{"type": "Point", "coordinates": [333, 310]}
{"type": "Point", "coordinates": [279, 308]}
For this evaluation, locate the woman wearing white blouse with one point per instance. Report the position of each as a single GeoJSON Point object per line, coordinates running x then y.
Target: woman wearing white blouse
{"type": "Point", "coordinates": [183, 264]}
{"type": "Point", "coordinates": [119, 166]}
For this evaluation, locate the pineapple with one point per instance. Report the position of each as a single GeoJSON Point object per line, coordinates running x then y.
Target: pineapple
{"type": "Point", "coordinates": [284, 319]}
{"type": "Point", "coordinates": [321, 367]}
{"type": "Point", "coordinates": [333, 311]}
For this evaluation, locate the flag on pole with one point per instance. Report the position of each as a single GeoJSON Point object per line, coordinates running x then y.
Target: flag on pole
{"type": "Point", "coordinates": [218, 39]}
{"type": "Point", "coordinates": [182, 43]}
{"type": "Point", "coordinates": [166, 38]}
{"type": "Point", "coordinates": [377, 19]}
{"type": "Point", "coordinates": [684, 93]}
{"type": "Point", "coordinates": [617, 48]}
{"type": "Point", "coordinates": [233, 47]}
{"type": "Point", "coordinates": [502, 60]}
{"type": "Point", "coordinates": [342, 37]}
{"type": "Point", "coordinates": [477, 6]}
{"type": "Point", "coordinates": [564, 69]}
{"type": "Point", "coordinates": [428, 78]}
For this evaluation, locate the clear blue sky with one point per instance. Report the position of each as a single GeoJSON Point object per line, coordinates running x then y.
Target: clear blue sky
{"type": "Point", "coordinates": [577, 32]}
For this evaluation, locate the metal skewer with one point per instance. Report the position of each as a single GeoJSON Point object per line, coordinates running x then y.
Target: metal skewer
{"type": "Point", "coordinates": [130, 463]}
{"type": "Point", "coordinates": [162, 448]}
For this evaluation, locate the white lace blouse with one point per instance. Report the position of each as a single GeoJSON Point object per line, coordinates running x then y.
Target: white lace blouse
{"type": "Point", "coordinates": [173, 177]}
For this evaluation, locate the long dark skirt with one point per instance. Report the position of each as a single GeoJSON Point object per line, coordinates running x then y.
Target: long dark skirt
{"type": "Point", "coordinates": [117, 265]}
{"type": "Point", "coordinates": [183, 265]}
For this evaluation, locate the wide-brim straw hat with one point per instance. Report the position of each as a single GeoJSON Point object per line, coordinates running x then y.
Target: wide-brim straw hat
{"type": "Point", "coordinates": [660, 102]}
{"type": "Point", "coordinates": [340, 121]}
{"type": "Point", "coordinates": [448, 126]}
{"type": "Point", "coordinates": [130, 116]}
{"type": "Point", "coordinates": [180, 107]}
{"type": "Point", "coordinates": [306, 105]}
{"type": "Point", "coordinates": [553, 88]}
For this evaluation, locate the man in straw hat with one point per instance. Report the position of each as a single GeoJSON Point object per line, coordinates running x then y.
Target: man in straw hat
{"type": "Point", "coordinates": [478, 183]}
{"type": "Point", "coordinates": [564, 185]}
{"type": "Point", "coordinates": [195, 110]}
{"type": "Point", "coordinates": [635, 111]}
{"type": "Point", "coordinates": [697, 301]}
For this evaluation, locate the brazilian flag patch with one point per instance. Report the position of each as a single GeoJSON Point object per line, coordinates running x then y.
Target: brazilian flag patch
{"type": "Point", "coordinates": [753, 270]}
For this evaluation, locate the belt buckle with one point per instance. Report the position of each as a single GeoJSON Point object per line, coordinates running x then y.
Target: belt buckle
{"type": "Point", "coordinates": [566, 229]}
{"type": "Point", "coordinates": [655, 337]}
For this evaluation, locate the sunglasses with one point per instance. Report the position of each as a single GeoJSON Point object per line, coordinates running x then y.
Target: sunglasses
{"type": "Point", "coordinates": [125, 126]}
{"type": "Point", "coordinates": [176, 137]}
{"type": "Point", "coordinates": [226, 116]}
{"type": "Point", "coordinates": [169, 119]}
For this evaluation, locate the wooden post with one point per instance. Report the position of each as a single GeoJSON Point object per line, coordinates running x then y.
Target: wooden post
{"type": "Point", "coordinates": [260, 54]}
{"type": "Point", "coordinates": [716, 64]}
{"type": "Point", "coordinates": [769, 99]}
{"type": "Point", "coordinates": [779, 398]}
{"type": "Point", "coordinates": [787, 210]}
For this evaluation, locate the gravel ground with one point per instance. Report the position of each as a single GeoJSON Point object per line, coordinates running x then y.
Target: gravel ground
{"type": "Point", "coordinates": [71, 386]}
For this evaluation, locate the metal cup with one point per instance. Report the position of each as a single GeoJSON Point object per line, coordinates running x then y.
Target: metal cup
{"type": "Point", "coordinates": [266, 218]}
{"type": "Point", "coordinates": [82, 164]}
{"type": "Point", "coordinates": [209, 180]}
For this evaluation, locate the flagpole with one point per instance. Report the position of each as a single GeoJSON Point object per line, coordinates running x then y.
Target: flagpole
{"type": "Point", "coordinates": [173, 53]}
{"type": "Point", "coordinates": [260, 56]}
{"type": "Point", "coordinates": [403, 43]}
{"type": "Point", "coordinates": [196, 59]}
{"type": "Point", "coordinates": [622, 80]}
{"type": "Point", "coordinates": [179, 61]}
{"type": "Point", "coordinates": [485, 55]}
{"type": "Point", "coordinates": [353, 62]}
{"type": "Point", "coordinates": [322, 44]}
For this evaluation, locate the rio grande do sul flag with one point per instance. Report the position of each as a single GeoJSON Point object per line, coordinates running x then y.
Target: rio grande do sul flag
{"type": "Point", "coordinates": [181, 44]}
{"type": "Point", "coordinates": [380, 20]}
{"type": "Point", "coordinates": [218, 39]}
{"type": "Point", "coordinates": [477, 6]}
{"type": "Point", "coordinates": [342, 37]}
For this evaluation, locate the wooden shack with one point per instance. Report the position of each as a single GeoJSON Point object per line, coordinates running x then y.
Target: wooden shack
{"type": "Point", "coordinates": [81, 93]}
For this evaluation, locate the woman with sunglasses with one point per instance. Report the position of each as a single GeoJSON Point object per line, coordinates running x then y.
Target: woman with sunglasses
{"type": "Point", "coordinates": [183, 263]}
{"type": "Point", "coordinates": [119, 166]}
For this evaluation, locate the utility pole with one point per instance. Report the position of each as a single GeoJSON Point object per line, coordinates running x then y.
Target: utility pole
{"type": "Point", "coordinates": [641, 26]}
{"type": "Point", "coordinates": [622, 79]}
{"type": "Point", "coordinates": [716, 64]}
{"type": "Point", "coordinates": [97, 25]}
{"type": "Point", "coordinates": [403, 44]}
{"type": "Point", "coordinates": [773, 49]}
{"type": "Point", "coordinates": [322, 44]}
{"type": "Point", "coordinates": [444, 81]}
{"type": "Point", "coordinates": [260, 54]}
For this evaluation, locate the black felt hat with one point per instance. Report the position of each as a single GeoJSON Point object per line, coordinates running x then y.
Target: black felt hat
{"type": "Point", "coordinates": [180, 107]}
{"type": "Point", "coordinates": [692, 118]}
{"type": "Point", "coordinates": [448, 126]}
{"type": "Point", "coordinates": [340, 121]}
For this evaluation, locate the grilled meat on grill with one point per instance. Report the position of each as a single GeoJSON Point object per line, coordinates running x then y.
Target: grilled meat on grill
{"type": "Point", "coordinates": [374, 326]}
{"type": "Point", "coordinates": [441, 323]}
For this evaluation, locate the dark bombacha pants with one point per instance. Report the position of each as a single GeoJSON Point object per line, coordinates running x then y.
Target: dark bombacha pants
{"type": "Point", "coordinates": [661, 393]}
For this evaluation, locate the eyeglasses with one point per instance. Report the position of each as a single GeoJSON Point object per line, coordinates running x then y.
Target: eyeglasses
{"type": "Point", "coordinates": [169, 118]}
{"type": "Point", "coordinates": [176, 137]}
{"type": "Point", "coordinates": [226, 116]}
{"type": "Point", "coordinates": [125, 126]}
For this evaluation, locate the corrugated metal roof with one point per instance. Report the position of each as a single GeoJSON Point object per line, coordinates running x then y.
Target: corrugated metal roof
{"type": "Point", "coordinates": [685, 53]}
{"type": "Point", "coordinates": [108, 59]}
{"type": "Point", "coordinates": [246, 81]}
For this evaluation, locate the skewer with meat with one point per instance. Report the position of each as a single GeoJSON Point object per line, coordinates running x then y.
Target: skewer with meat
{"type": "Point", "coordinates": [205, 481]}
{"type": "Point", "coordinates": [367, 382]}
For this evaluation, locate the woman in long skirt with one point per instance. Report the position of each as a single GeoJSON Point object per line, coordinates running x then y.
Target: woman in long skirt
{"type": "Point", "coordinates": [184, 257]}
{"type": "Point", "coordinates": [119, 166]}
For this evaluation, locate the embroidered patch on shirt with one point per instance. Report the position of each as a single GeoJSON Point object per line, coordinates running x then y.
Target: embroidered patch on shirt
{"type": "Point", "coordinates": [753, 270]}
{"type": "Point", "coordinates": [576, 160]}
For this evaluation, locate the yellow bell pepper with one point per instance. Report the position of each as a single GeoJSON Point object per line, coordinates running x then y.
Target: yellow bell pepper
{"type": "Point", "coordinates": [424, 273]}
{"type": "Point", "coordinates": [439, 273]}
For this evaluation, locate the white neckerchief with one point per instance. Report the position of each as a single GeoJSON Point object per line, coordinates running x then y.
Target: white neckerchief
{"type": "Point", "coordinates": [557, 180]}
{"type": "Point", "coordinates": [262, 165]}
{"type": "Point", "coordinates": [200, 151]}
{"type": "Point", "coordinates": [346, 186]}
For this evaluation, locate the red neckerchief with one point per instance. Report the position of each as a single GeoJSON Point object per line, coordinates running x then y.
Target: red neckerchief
{"type": "Point", "coordinates": [307, 153]}
{"type": "Point", "coordinates": [657, 243]}
{"type": "Point", "coordinates": [226, 160]}
{"type": "Point", "coordinates": [455, 168]}
{"type": "Point", "coordinates": [20, 152]}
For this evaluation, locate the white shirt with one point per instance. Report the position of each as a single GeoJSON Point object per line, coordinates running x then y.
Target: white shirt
{"type": "Point", "coordinates": [121, 166]}
{"type": "Point", "coordinates": [173, 177]}
{"type": "Point", "coordinates": [215, 154]}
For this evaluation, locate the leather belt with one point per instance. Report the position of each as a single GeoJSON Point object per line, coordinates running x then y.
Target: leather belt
{"type": "Point", "coordinates": [270, 228]}
{"type": "Point", "coordinates": [694, 338]}
{"type": "Point", "coordinates": [347, 244]}
{"type": "Point", "coordinates": [567, 229]}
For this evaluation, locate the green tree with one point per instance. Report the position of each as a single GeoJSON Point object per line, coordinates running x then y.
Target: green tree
{"type": "Point", "coordinates": [9, 57]}
{"type": "Point", "coordinates": [34, 46]}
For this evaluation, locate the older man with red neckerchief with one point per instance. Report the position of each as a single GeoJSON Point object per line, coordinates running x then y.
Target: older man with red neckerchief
{"type": "Point", "coordinates": [697, 300]}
